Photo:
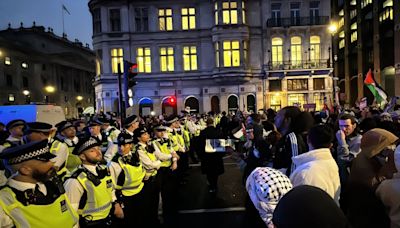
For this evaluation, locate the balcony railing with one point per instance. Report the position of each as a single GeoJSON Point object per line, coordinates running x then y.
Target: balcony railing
{"type": "Point", "coordinates": [296, 65]}
{"type": "Point", "coordinates": [297, 21]}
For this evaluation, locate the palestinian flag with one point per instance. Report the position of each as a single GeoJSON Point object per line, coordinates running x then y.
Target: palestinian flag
{"type": "Point", "coordinates": [379, 94]}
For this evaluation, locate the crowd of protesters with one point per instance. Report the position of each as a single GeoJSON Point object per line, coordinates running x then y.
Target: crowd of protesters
{"type": "Point", "coordinates": [300, 168]}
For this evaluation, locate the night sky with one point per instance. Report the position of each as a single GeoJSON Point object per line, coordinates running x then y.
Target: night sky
{"type": "Point", "coordinates": [48, 13]}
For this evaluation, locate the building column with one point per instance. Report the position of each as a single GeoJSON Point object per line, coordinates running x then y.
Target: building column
{"type": "Point", "coordinates": [396, 11]}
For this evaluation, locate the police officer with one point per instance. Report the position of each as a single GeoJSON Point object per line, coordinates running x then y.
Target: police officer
{"type": "Point", "coordinates": [37, 131]}
{"type": "Point", "coordinates": [67, 134]}
{"type": "Point", "coordinates": [151, 165]}
{"type": "Point", "coordinates": [131, 123]}
{"type": "Point", "coordinates": [34, 196]}
{"type": "Point", "coordinates": [129, 175]}
{"type": "Point", "coordinates": [110, 131]}
{"type": "Point", "coordinates": [16, 130]}
{"type": "Point", "coordinates": [94, 127]}
{"type": "Point", "coordinates": [167, 175]}
{"type": "Point", "coordinates": [90, 187]}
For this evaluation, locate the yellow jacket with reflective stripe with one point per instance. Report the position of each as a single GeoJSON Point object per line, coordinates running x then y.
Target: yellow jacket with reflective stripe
{"type": "Point", "coordinates": [165, 150]}
{"type": "Point", "coordinates": [73, 161]}
{"type": "Point", "coordinates": [134, 175]}
{"type": "Point", "coordinates": [99, 198]}
{"type": "Point", "coordinates": [54, 148]}
{"type": "Point", "coordinates": [174, 141]}
{"type": "Point", "coordinates": [57, 214]}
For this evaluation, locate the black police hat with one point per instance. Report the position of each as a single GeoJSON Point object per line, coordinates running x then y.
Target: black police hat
{"type": "Point", "coordinates": [104, 120]}
{"type": "Point", "coordinates": [95, 122]}
{"type": "Point", "coordinates": [63, 125]}
{"type": "Point", "coordinates": [139, 132]}
{"type": "Point", "coordinates": [38, 127]}
{"type": "Point", "coordinates": [124, 138]}
{"type": "Point", "coordinates": [171, 119]}
{"type": "Point", "coordinates": [38, 150]}
{"type": "Point", "coordinates": [14, 123]}
{"type": "Point", "coordinates": [85, 144]}
{"type": "Point", "coordinates": [130, 120]}
{"type": "Point", "coordinates": [159, 127]}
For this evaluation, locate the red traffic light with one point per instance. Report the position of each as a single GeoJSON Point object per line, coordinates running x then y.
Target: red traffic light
{"type": "Point", "coordinates": [171, 100]}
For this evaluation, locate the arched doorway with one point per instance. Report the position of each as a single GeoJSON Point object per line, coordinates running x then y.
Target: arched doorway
{"type": "Point", "coordinates": [145, 106]}
{"type": "Point", "coordinates": [193, 103]}
{"type": "Point", "coordinates": [251, 103]}
{"type": "Point", "coordinates": [169, 106]}
{"type": "Point", "coordinates": [233, 103]}
{"type": "Point", "coordinates": [215, 104]}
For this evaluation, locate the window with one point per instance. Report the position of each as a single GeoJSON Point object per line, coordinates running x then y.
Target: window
{"type": "Point", "coordinates": [245, 52]}
{"type": "Point", "coordinates": [277, 51]}
{"type": "Point", "coordinates": [315, 50]}
{"type": "Point", "coordinates": [295, 13]}
{"type": "Point", "coordinates": [276, 13]}
{"type": "Point", "coordinates": [297, 84]}
{"type": "Point", "coordinates": [275, 101]}
{"type": "Point", "coordinates": [24, 65]}
{"type": "Point", "coordinates": [243, 13]}
{"type": "Point", "coordinates": [275, 85]}
{"type": "Point", "coordinates": [9, 80]}
{"type": "Point", "coordinates": [314, 12]}
{"type": "Point", "coordinates": [216, 46]}
{"type": "Point", "coordinates": [188, 18]}
{"type": "Point", "coordinates": [353, 37]}
{"type": "Point", "coordinates": [295, 50]}
{"type": "Point", "coordinates": [189, 58]}
{"type": "Point", "coordinates": [96, 21]}
{"type": "Point", "coordinates": [231, 53]}
{"type": "Point", "coordinates": [98, 67]}
{"type": "Point", "coordinates": [25, 82]}
{"type": "Point", "coordinates": [297, 99]}
{"type": "Point", "coordinates": [229, 12]}
{"type": "Point", "coordinates": [364, 3]}
{"type": "Point", "coordinates": [7, 60]}
{"type": "Point", "coordinates": [165, 19]}
{"type": "Point", "coordinates": [319, 83]}
{"type": "Point", "coordinates": [11, 97]}
{"type": "Point", "coordinates": [167, 58]}
{"type": "Point", "coordinates": [216, 13]}
{"type": "Point", "coordinates": [115, 20]}
{"type": "Point", "coordinates": [319, 100]}
{"type": "Point", "coordinates": [142, 19]}
{"type": "Point", "coordinates": [117, 55]}
{"type": "Point", "coordinates": [143, 59]}
{"type": "Point", "coordinates": [341, 43]}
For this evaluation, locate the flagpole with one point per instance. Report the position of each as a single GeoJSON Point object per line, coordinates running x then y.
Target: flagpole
{"type": "Point", "coordinates": [62, 13]}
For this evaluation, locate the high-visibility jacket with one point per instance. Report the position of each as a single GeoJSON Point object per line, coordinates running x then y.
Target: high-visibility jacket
{"type": "Point", "coordinates": [58, 213]}
{"type": "Point", "coordinates": [98, 194]}
{"type": "Point", "coordinates": [73, 161]}
{"type": "Point", "coordinates": [54, 149]}
{"type": "Point", "coordinates": [164, 148]}
{"type": "Point", "coordinates": [152, 156]}
{"type": "Point", "coordinates": [131, 182]}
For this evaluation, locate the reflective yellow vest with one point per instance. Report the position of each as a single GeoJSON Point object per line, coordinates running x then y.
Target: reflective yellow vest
{"type": "Point", "coordinates": [99, 198]}
{"type": "Point", "coordinates": [134, 175]}
{"type": "Point", "coordinates": [186, 137]}
{"type": "Point", "coordinates": [73, 161]}
{"type": "Point", "coordinates": [181, 141]}
{"type": "Point", "coordinates": [152, 157]}
{"type": "Point", "coordinates": [174, 141]}
{"type": "Point", "coordinates": [55, 147]}
{"type": "Point", "coordinates": [165, 150]}
{"type": "Point", "coordinates": [57, 214]}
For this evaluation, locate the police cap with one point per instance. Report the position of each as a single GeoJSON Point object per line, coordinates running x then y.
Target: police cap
{"type": "Point", "coordinates": [38, 150]}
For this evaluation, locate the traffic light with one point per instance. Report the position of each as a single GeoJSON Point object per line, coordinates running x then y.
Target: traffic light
{"type": "Point", "coordinates": [130, 71]}
{"type": "Point", "coordinates": [172, 100]}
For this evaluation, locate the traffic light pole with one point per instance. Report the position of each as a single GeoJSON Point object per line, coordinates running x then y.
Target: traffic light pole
{"type": "Point", "coordinates": [121, 102]}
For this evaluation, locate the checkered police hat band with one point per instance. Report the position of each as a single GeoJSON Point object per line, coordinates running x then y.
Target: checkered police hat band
{"type": "Point", "coordinates": [28, 156]}
{"type": "Point", "coordinates": [88, 144]}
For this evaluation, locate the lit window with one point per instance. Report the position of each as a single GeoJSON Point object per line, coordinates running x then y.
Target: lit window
{"type": "Point", "coordinates": [231, 53]}
{"type": "Point", "coordinates": [341, 43]}
{"type": "Point", "coordinates": [364, 3]}
{"type": "Point", "coordinates": [165, 19]}
{"type": "Point", "coordinates": [315, 50]}
{"type": "Point", "coordinates": [341, 22]}
{"type": "Point", "coordinates": [189, 58]}
{"type": "Point", "coordinates": [117, 56]}
{"type": "Point", "coordinates": [24, 65]}
{"type": "Point", "coordinates": [216, 12]}
{"type": "Point", "coordinates": [7, 60]}
{"type": "Point", "coordinates": [341, 34]}
{"type": "Point", "coordinates": [295, 50]}
{"type": "Point", "coordinates": [297, 84]}
{"type": "Point", "coordinates": [167, 58]}
{"type": "Point", "coordinates": [353, 37]}
{"type": "Point", "coordinates": [353, 26]}
{"type": "Point", "coordinates": [98, 67]}
{"type": "Point", "coordinates": [319, 100]}
{"type": "Point", "coordinates": [277, 52]}
{"type": "Point", "coordinates": [353, 2]}
{"type": "Point", "coordinates": [216, 46]}
{"type": "Point", "coordinates": [297, 99]}
{"type": "Point", "coordinates": [188, 18]}
{"type": "Point", "coordinates": [243, 13]}
{"type": "Point", "coordinates": [387, 3]}
{"type": "Point", "coordinates": [11, 97]}
{"type": "Point", "coordinates": [229, 13]}
{"type": "Point", "coordinates": [143, 59]}
{"type": "Point", "coordinates": [341, 12]}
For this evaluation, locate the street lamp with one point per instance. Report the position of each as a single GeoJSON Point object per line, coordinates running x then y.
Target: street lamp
{"type": "Point", "coordinates": [79, 98]}
{"type": "Point", "coordinates": [332, 28]}
{"type": "Point", "coordinates": [25, 92]}
{"type": "Point", "coordinates": [50, 89]}
{"type": "Point", "coordinates": [27, 96]}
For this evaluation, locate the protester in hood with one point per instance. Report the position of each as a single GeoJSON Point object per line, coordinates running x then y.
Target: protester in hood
{"type": "Point", "coordinates": [266, 186]}
{"type": "Point", "coordinates": [308, 206]}
{"type": "Point", "coordinates": [389, 193]}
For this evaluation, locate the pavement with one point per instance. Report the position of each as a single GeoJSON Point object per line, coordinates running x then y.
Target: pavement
{"type": "Point", "coordinates": [225, 208]}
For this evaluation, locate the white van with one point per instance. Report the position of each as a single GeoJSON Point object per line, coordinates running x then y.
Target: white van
{"type": "Point", "coordinates": [50, 114]}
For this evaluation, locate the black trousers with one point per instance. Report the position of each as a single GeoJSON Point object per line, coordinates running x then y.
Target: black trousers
{"type": "Point", "coordinates": [212, 180]}
{"type": "Point", "coordinates": [183, 165]}
{"type": "Point", "coordinates": [169, 190]}
{"type": "Point", "coordinates": [134, 210]}
{"type": "Point", "coordinates": [150, 201]}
